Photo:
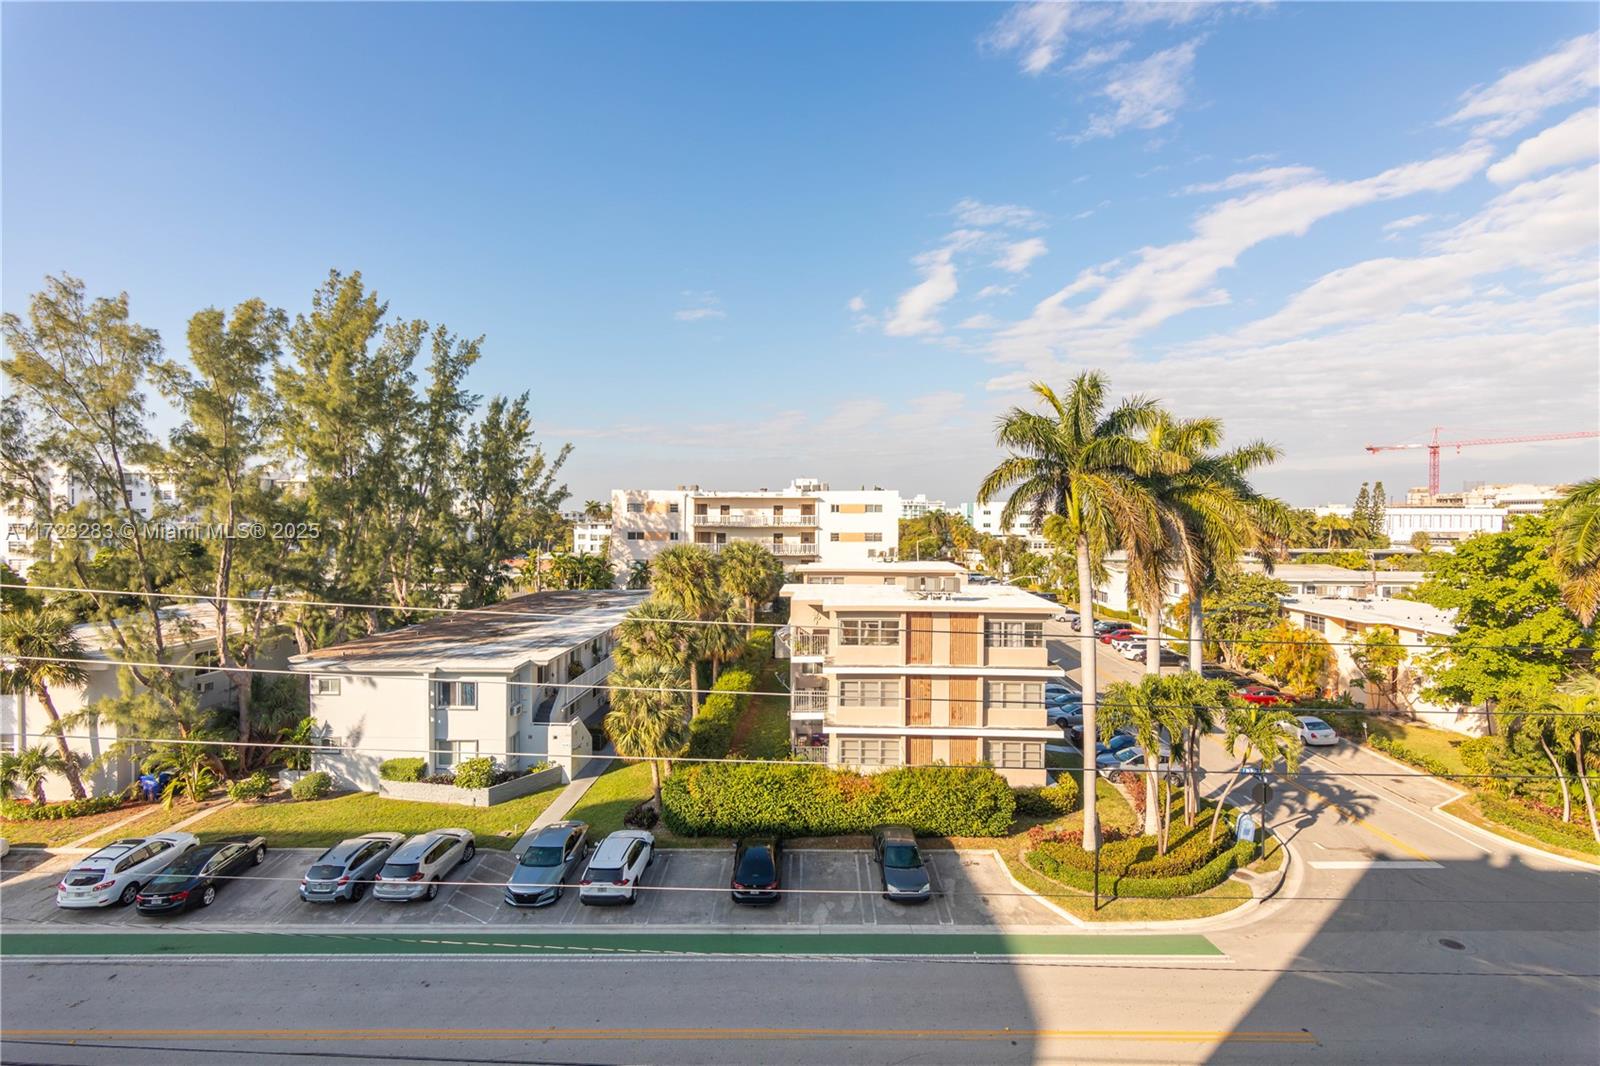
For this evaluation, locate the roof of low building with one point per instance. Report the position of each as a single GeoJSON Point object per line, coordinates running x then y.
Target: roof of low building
{"type": "Point", "coordinates": [536, 627]}
{"type": "Point", "coordinates": [897, 597]}
{"type": "Point", "coordinates": [1402, 614]}
{"type": "Point", "coordinates": [903, 566]}
{"type": "Point", "coordinates": [1339, 574]}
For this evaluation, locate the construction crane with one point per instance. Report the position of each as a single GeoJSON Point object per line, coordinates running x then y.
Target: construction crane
{"type": "Point", "coordinates": [1434, 446]}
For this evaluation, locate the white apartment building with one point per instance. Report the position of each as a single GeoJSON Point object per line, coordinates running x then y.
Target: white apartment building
{"type": "Point", "coordinates": [1345, 622]}
{"type": "Point", "coordinates": [806, 522]}
{"type": "Point", "coordinates": [919, 505]}
{"type": "Point", "coordinates": [516, 682]}
{"type": "Point", "coordinates": [1303, 579]}
{"type": "Point", "coordinates": [985, 518]}
{"type": "Point", "coordinates": [590, 537]}
{"type": "Point", "coordinates": [1444, 524]}
{"type": "Point", "coordinates": [1519, 498]}
{"type": "Point", "coordinates": [191, 639]}
{"type": "Point", "coordinates": [21, 542]}
{"type": "Point", "coordinates": [904, 664]}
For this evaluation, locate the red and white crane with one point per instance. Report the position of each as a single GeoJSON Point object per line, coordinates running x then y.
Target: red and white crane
{"type": "Point", "coordinates": [1434, 446]}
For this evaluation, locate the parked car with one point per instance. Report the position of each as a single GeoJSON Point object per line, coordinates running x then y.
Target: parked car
{"type": "Point", "coordinates": [556, 852]}
{"type": "Point", "coordinates": [1262, 695]}
{"type": "Point", "coordinates": [192, 879]}
{"type": "Point", "coordinates": [1115, 742]}
{"type": "Point", "coordinates": [1114, 761]}
{"type": "Point", "coordinates": [1120, 633]}
{"type": "Point", "coordinates": [346, 870]}
{"type": "Point", "coordinates": [1103, 626]}
{"type": "Point", "coordinates": [1065, 717]}
{"type": "Point", "coordinates": [617, 867]}
{"type": "Point", "coordinates": [904, 877]}
{"type": "Point", "coordinates": [757, 870]}
{"type": "Point", "coordinates": [417, 866]}
{"type": "Point", "coordinates": [116, 872]}
{"type": "Point", "coordinates": [1311, 730]}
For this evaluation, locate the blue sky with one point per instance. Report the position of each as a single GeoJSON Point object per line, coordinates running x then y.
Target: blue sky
{"type": "Point", "coordinates": [733, 244]}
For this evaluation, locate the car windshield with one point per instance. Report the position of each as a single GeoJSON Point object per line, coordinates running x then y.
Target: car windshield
{"type": "Point", "coordinates": [398, 871]}
{"type": "Point", "coordinates": [607, 873]}
{"type": "Point", "coordinates": [542, 856]}
{"type": "Point", "coordinates": [901, 856]}
{"type": "Point", "coordinates": [754, 865]}
{"type": "Point", "coordinates": [1315, 723]}
{"type": "Point", "coordinates": [325, 872]}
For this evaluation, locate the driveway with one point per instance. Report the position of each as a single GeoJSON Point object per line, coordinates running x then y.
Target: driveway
{"type": "Point", "coordinates": [836, 889]}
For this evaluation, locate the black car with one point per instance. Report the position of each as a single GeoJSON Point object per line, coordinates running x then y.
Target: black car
{"type": "Point", "coordinates": [905, 878]}
{"type": "Point", "coordinates": [193, 878]}
{"type": "Point", "coordinates": [757, 870]}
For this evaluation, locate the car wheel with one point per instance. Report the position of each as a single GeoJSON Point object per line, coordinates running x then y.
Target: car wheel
{"type": "Point", "coordinates": [260, 856]}
{"type": "Point", "coordinates": [433, 889]}
{"type": "Point", "coordinates": [633, 898]}
{"type": "Point", "coordinates": [209, 896]}
{"type": "Point", "coordinates": [472, 849]}
{"type": "Point", "coordinates": [356, 892]}
{"type": "Point", "coordinates": [129, 893]}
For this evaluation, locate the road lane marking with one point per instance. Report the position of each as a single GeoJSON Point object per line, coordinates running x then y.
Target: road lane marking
{"type": "Point", "coordinates": [1351, 816]}
{"type": "Point", "coordinates": [1376, 864]}
{"type": "Point", "coordinates": [1408, 805]}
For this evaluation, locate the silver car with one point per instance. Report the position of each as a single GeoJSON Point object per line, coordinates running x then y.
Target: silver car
{"type": "Point", "coordinates": [545, 864]}
{"type": "Point", "coordinates": [416, 868]}
{"type": "Point", "coordinates": [346, 870]}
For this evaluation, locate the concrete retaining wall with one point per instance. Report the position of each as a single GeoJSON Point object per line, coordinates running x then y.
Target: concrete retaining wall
{"type": "Point", "coordinates": [423, 792]}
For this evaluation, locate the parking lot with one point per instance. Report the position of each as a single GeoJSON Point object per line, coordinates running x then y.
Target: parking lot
{"type": "Point", "coordinates": [683, 888]}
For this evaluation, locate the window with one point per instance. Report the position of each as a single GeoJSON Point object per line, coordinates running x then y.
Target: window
{"type": "Point", "coordinates": [455, 693]}
{"type": "Point", "coordinates": [1016, 754]}
{"type": "Point", "coordinates": [1316, 623]}
{"type": "Point", "coordinates": [870, 751]}
{"type": "Point", "coordinates": [834, 508]}
{"type": "Point", "coordinates": [1007, 634]}
{"type": "Point", "coordinates": [672, 536]}
{"type": "Point", "coordinates": [834, 537]}
{"type": "Point", "coordinates": [451, 752]}
{"type": "Point", "coordinates": [634, 534]}
{"type": "Point", "coordinates": [874, 692]}
{"type": "Point", "coordinates": [870, 632]}
{"type": "Point", "coordinates": [874, 508]}
{"type": "Point", "coordinates": [325, 686]}
{"type": "Point", "coordinates": [1014, 693]}
{"type": "Point", "coordinates": [672, 508]}
{"type": "Point", "coordinates": [206, 658]}
{"type": "Point", "coordinates": [635, 508]}
{"type": "Point", "coordinates": [875, 537]}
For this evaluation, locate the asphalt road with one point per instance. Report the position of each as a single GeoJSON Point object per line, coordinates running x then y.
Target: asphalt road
{"type": "Point", "coordinates": [1397, 937]}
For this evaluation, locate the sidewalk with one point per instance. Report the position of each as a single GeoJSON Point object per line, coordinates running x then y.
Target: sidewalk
{"type": "Point", "coordinates": [562, 805]}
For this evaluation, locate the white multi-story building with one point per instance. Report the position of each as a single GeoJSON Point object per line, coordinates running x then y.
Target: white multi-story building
{"type": "Point", "coordinates": [806, 522]}
{"type": "Point", "coordinates": [515, 682]}
{"type": "Point", "coordinates": [589, 537]}
{"type": "Point", "coordinates": [985, 518]}
{"type": "Point", "coordinates": [919, 505]}
{"type": "Point", "coordinates": [19, 523]}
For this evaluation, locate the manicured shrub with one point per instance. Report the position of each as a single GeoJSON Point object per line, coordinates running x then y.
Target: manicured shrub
{"type": "Point", "coordinates": [253, 787]}
{"type": "Point", "coordinates": [711, 731]}
{"type": "Point", "coordinates": [642, 816]}
{"type": "Point", "coordinates": [49, 812]}
{"type": "Point", "coordinates": [475, 773]}
{"type": "Point", "coordinates": [1187, 870]}
{"type": "Point", "coordinates": [312, 786]}
{"type": "Point", "coordinates": [804, 799]}
{"type": "Point", "coordinates": [1048, 801]}
{"type": "Point", "coordinates": [410, 769]}
{"type": "Point", "coordinates": [757, 654]}
{"type": "Point", "coordinates": [1519, 816]}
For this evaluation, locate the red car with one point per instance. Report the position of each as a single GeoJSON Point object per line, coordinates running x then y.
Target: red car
{"type": "Point", "coordinates": [1262, 695]}
{"type": "Point", "coordinates": [1120, 634]}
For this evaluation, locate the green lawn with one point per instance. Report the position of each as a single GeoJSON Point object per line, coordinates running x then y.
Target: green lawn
{"type": "Point", "coordinates": [763, 731]}
{"type": "Point", "coordinates": [55, 832]}
{"type": "Point", "coordinates": [1437, 743]}
{"type": "Point", "coordinates": [159, 819]}
{"type": "Point", "coordinates": [618, 791]}
{"type": "Point", "coordinates": [318, 823]}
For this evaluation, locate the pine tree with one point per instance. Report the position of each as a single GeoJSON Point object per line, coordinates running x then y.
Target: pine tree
{"type": "Point", "coordinates": [1361, 513]}
{"type": "Point", "coordinates": [1376, 520]}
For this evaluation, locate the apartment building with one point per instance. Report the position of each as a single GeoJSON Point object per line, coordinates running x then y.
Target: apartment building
{"type": "Point", "coordinates": [985, 518]}
{"type": "Point", "coordinates": [589, 537]}
{"type": "Point", "coordinates": [806, 522]}
{"type": "Point", "coordinates": [21, 542]}
{"type": "Point", "coordinates": [905, 664]}
{"type": "Point", "coordinates": [516, 681]}
{"type": "Point", "coordinates": [919, 505]}
{"type": "Point", "coordinates": [1303, 579]}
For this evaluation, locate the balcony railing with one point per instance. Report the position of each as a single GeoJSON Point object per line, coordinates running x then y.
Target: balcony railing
{"type": "Point", "coordinates": [755, 518]}
{"type": "Point", "coordinates": [810, 700]}
{"type": "Point", "coordinates": [784, 548]}
{"type": "Point", "coordinates": [808, 642]}
{"type": "Point", "coordinates": [595, 675]}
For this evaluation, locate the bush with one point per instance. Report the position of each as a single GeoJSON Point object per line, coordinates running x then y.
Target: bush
{"type": "Point", "coordinates": [1519, 816]}
{"type": "Point", "coordinates": [711, 732]}
{"type": "Point", "coordinates": [402, 769]}
{"type": "Point", "coordinates": [1396, 749]}
{"type": "Point", "coordinates": [1050, 801]}
{"type": "Point", "coordinates": [50, 812]}
{"type": "Point", "coordinates": [757, 654]}
{"type": "Point", "coordinates": [444, 777]}
{"type": "Point", "coordinates": [475, 773]}
{"type": "Point", "coordinates": [643, 816]}
{"type": "Point", "coordinates": [312, 786]}
{"type": "Point", "coordinates": [804, 799]}
{"type": "Point", "coordinates": [1192, 867]}
{"type": "Point", "coordinates": [253, 787]}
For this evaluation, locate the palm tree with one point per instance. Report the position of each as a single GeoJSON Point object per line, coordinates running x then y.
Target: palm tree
{"type": "Point", "coordinates": [686, 576]}
{"type": "Point", "coordinates": [1577, 548]}
{"type": "Point", "coordinates": [1335, 531]}
{"type": "Point", "coordinates": [722, 640]}
{"type": "Point", "coordinates": [1084, 466]}
{"type": "Point", "coordinates": [646, 717]}
{"type": "Point", "coordinates": [29, 768]}
{"type": "Point", "coordinates": [594, 510]}
{"type": "Point", "coordinates": [1142, 710]}
{"type": "Point", "coordinates": [658, 632]}
{"type": "Point", "coordinates": [1577, 708]}
{"type": "Point", "coordinates": [30, 640]}
{"type": "Point", "coordinates": [1536, 723]}
{"type": "Point", "coordinates": [1261, 733]}
{"type": "Point", "coordinates": [639, 574]}
{"type": "Point", "coordinates": [751, 573]}
{"type": "Point", "coordinates": [1195, 705]}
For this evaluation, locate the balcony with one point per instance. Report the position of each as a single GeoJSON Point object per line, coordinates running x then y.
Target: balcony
{"type": "Point", "coordinates": [785, 548]}
{"type": "Point", "coordinates": [595, 675]}
{"type": "Point", "coordinates": [756, 518]}
{"type": "Point", "coordinates": [809, 701]}
{"type": "Point", "coordinates": [808, 643]}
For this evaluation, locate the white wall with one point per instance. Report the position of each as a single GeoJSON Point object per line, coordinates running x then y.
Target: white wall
{"type": "Point", "coordinates": [883, 524]}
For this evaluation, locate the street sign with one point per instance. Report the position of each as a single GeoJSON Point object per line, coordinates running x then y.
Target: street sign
{"type": "Point", "coordinates": [1246, 829]}
{"type": "Point", "coordinates": [1263, 792]}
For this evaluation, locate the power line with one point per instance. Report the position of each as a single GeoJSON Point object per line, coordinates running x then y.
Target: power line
{"type": "Point", "coordinates": [504, 611]}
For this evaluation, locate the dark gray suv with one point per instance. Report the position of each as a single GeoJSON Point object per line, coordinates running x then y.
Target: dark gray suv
{"type": "Point", "coordinates": [345, 871]}
{"type": "Point", "coordinates": [556, 852]}
{"type": "Point", "coordinates": [905, 878]}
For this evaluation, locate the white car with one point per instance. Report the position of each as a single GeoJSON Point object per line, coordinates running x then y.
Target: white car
{"type": "Point", "coordinates": [115, 873]}
{"type": "Point", "coordinates": [417, 866]}
{"type": "Point", "coordinates": [616, 866]}
{"type": "Point", "coordinates": [1129, 647]}
{"type": "Point", "coordinates": [1311, 730]}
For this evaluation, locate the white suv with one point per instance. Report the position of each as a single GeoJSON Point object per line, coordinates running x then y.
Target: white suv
{"type": "Point", "coordinates": [616, 867]}
{"type": "Point", "coordinates": [115, 872]}
{"type": "Point", "coordinates": [417, 866]}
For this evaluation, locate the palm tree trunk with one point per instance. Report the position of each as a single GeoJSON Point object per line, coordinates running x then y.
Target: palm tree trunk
{"type": "Point", "coordinates": [1561, 777]}
{"type": "Point", "coordinates": [1152, 804]}
{"type": "Point", "coordinates": [1196, 631]}
{"type": "Point", "coordinates": [74, 780]}
{"type": "Point", "coordinates": [36, 786]}
{"type": "Point", "coordinates": [1583, 780]}
{"type": "Point", "coordinates": [1233, 779]}
{"type": "Point", "coordinates": [655, 781]}
{"type": "Point", "coordinates": [1191, 776]}
{"type": "Point", "coordinates": [1086, 651]}
{"type": "Point", "coordinates": [1152, 636]}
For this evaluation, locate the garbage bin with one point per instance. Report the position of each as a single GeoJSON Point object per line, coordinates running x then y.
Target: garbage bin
{"type": "Point", "coordinates": [147, 786]}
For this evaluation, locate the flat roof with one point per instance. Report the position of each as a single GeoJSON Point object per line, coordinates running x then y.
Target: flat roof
{"type": "Point", "coordinates": [1403, 614]}
{"type": "Point", "coordinates": [535, 627]}
{"type": "Point", "coordinates": [1325, 572]}
{"type": "Point", "coordinates": [933, 566]}
{"type": "Point", "coordinates": [897, 597]}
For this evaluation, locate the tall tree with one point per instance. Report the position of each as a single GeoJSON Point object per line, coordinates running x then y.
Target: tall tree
{"type": "Point", "coordinates": [1083, 466]}
{"type": "Point", "coordinates": [646, 719]}
{"type": "Point", "coordinates": [1377, 517]}
{"type": "Point", "coordinates": [1576, 532]}
{"type": "Point", "coordinates": [751, 574]}
{"type": "Point", "coordinates": [1255, 732]}
{"type": "Point", "coordinates": [41, 650]}
{"type": "Point", "coordinates": [1141, 709]}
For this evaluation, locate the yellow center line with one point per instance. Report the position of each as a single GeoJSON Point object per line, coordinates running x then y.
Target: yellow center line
{"type": "Point", "coordinates": [1350, 816]}
{"type": "Point", "coordinates": [1161, 1036]}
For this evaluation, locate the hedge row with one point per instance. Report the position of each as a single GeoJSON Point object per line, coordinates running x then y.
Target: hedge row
{"type": "Point", "coordinates": [1136, 857]}
{"type": "Point", "coordinates": [51, 812]}
{"type": "Point", "coordinates": [1550, 830]}
{"type": "Point", "coordinates": [711, 732]}
{"type": "Point", "coordinates": [1049, 861]}
{"type": "Point", "coordinates": [409, 769]}
{"type": "Point", "coordinates": [805, 799]}
{"type": "Point", "coordinates": [757, 654]}
{"type": "Point", "coordinates": [1049, 801]}
{"type": "Point", "coordinates": [1406, 754]}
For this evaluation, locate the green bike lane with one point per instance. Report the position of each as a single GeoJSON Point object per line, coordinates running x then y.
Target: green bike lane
{"type": "Point", "coordinates": [16, 945]}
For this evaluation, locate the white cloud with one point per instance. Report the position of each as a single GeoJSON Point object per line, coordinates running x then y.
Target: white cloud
{"type": "Point", "coordinates": [975, 213]}
{"type": "Point", "coordinates": [1100, 56]}
{"type": "Point", "coordinates": [1040, 32]}
{"type": "Point", "coordinates": [1569, 73]}
{"type": "Point", "coordinates": [990, 291]}
{"type": "Point", "coordinates": [916, 312]}
{"type": "Point", "coordinates": [1146, 92]}
{"type": "Point", "coordinates": [1017, 256]}
{"type": "Point", "coordinates": [857, 304]}
{"type": "Point", "coordinates": [978, 322]}
{"type": "Point", "coordinates": [1037, 31]}
{"type": "Point", "coordinates": [1573, 141]}
{"type": "Point", "coordinates": [1409, 222]}
{"type": "Point", "coordinates": [1271, 176]}
{"type": "Point", "coordinates": [698, 314]}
